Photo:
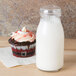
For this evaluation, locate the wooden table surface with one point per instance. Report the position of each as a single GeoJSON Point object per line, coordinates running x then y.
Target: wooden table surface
{"type": "Point", "coordinates": [69, 68]}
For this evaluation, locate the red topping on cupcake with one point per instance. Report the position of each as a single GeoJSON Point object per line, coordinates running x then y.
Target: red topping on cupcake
{"type": "Point", "coordinates": [23, 35]}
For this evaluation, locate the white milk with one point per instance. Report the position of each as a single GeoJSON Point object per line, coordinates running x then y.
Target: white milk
{"type": "Point", "coordinates": [50, 43]}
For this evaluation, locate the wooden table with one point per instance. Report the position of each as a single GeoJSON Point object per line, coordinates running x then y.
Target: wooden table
{"type": "Point", "coordinates": [69, 68]}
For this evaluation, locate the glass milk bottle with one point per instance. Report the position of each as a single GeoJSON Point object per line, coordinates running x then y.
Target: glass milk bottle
{"type": "Point", "coordinates": [50, 40]}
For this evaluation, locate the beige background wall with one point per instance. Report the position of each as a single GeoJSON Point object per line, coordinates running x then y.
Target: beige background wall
{"type": "Point", "coordinates": [26, 12]}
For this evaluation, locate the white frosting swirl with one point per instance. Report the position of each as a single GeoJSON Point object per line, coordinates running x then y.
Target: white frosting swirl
{"type": "Point", "coordinates": [23, 35]}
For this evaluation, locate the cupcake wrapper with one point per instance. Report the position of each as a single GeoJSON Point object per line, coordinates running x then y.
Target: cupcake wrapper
{"type": "Point", "coordinates": [22, 47]}
{"type": "Point", "coordinates": [23, 51]}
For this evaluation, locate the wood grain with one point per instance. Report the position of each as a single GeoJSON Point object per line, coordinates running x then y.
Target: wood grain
{"type": "Point", "coordinates": [69, 68]}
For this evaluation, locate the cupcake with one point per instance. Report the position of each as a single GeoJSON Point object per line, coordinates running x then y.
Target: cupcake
{"type": "Point", "coordinates": [22, 43]}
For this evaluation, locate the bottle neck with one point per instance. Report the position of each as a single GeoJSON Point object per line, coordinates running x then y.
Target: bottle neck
{"type": "Point", "coordinates": [52, 18]}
